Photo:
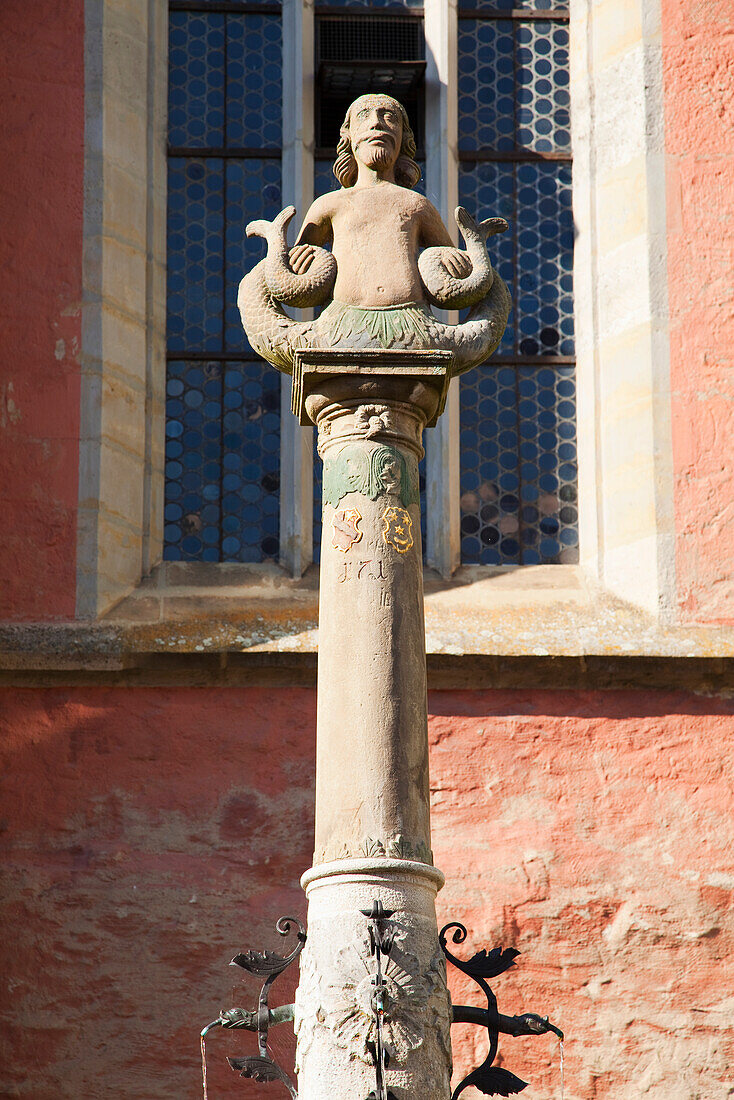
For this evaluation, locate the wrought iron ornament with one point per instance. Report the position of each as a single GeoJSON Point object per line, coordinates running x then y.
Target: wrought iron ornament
{"type": "Point", "coordinates": [268, 965]}
{"type": "Point", "coordinates": [489, 1079]}
{"type": "Point", "coordinates": [382, 940]}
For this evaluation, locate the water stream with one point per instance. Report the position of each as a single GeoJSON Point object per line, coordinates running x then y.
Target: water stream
{"type": "Point", "coordinates": [203, 1064]}
{"type": "Point", "coordinates": [562, 1084]}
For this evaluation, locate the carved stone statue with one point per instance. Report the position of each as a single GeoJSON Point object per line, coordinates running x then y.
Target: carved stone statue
{"type": "Point", "coordinates": [391, 258]}
{"type": "Point", "coordinates": [371, 372]}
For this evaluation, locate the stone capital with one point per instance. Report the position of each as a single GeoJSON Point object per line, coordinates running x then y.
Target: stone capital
{"type": "Point", "coordinates": [322, 377]}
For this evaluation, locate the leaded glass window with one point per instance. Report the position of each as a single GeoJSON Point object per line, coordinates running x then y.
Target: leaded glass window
{"type": "Point", "coordinates": [518, 448]}
{"type": "Point", "coordinates": [518, 414]}
{"type": "Point", "coordinates": [223, 403]}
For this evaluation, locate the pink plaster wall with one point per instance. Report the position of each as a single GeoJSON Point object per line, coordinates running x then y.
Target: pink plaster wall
{"type": "Point", "coordinates": [149, 833]}
{"type": "Point", "coordinates": [698, 66]}
{"type": "Point", "coordinates": [41, 193]}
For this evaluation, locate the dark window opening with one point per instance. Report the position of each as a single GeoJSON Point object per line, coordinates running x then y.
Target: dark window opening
{"type": "Point", "coordinates": [356, 54]}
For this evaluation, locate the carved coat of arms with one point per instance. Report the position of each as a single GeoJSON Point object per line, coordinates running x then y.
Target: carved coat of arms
{"type": "Point", "coordinates": [397, 529]}
{"type": "Point", "coordinates": [345, 526]}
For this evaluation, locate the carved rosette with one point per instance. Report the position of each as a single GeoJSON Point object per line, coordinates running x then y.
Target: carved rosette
{"type": "Point", "coordinates": [338, 999]}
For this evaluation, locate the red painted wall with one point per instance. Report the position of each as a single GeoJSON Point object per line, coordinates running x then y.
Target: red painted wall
{"type": "Point", "coordinates": [41, 193]}
{"type": "Point", "coordinates": [149, 833]}
{"type": "Point", "coordinates": [698, 62]}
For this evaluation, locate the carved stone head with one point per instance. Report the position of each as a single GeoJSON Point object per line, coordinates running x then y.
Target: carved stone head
{"type": "Point", "coordinates": [377, 131]}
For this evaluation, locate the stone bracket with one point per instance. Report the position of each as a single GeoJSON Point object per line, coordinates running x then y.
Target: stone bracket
{"type": "Point", "coordinates": [315, 366]}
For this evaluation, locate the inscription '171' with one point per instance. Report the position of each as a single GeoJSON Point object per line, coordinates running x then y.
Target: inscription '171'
{"type": "Point", "coordinates": [368, 569]}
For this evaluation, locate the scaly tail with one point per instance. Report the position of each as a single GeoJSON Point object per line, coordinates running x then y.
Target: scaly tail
{"type": "Point", "coordinates": [481, 231]}
{"type": "Point", "coordinates": [274, 232]}
{"type": "Point", "coordinates": [475, 339]}
{"type": "Point", "coordinates": [270, 331]}
{"type": "Point", "coordinates": [313, 286]}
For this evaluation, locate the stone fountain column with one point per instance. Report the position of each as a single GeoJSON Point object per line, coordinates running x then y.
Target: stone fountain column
{"type": "Point", "coordinates": [372, 788]}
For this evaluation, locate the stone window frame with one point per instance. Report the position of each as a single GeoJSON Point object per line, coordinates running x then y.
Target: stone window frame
{"type": "Point", "coordinates": [624, 431]}
{"type": "Point", "coordinates": [123, 362]}
{"type": "Point", "coordinates": [626, 514]}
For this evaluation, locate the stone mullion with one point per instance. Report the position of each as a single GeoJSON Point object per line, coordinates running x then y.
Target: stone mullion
{"type": "Point", "coordinates": [296, 442]}
{"type": "Point", "coordinates": [443, 536]}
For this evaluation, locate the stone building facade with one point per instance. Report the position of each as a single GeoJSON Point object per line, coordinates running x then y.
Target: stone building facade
{"type": "Point", "coordinates": [158, 715]}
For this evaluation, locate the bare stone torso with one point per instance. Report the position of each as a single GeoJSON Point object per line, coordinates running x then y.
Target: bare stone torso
{"type": "Point", "coordinates": [383, 269]}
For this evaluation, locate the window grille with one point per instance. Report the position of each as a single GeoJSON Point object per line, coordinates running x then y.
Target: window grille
{"type": "Point", "coordinates": [518, 480]}
{"type": "Point", "coordinates": [356, 54]}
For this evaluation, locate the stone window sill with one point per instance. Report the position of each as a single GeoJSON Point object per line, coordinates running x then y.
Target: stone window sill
{"type": "Point", "coordinates": [485, 627]}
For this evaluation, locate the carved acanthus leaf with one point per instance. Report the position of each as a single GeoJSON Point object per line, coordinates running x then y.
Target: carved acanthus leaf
{"type": "Point", "coordinates": [394, 847]}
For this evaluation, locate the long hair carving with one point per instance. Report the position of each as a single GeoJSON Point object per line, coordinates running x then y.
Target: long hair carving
{"type": "Point", "coordinates": [407, 171]}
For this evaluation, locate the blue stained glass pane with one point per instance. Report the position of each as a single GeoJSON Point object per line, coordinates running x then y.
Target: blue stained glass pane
{"type": "Point", "coordinates": [513, 79]}
{"type": "Point", "coordinates": [518, 434]}
{"type": "Point", "coordinates": [192, 488]}
{"type": "Point", "coordinates": [223, 428]}
{"type": "Point", "coordinates": [196, 79]}
{"type": "Point", "coordinates": [544, 258]}
{"type": "Point", "coordinates": [382, 4]}
{"type": "Point", "coordinates": [486, 190]}
{"type": "Point", "coordinates": [250, 487]}
{"type": "Point", "coordinates": [508, 5]}
{"type": "Point", "coordinates": [518, 480]}
{"type": "Point", "coordinates": [485, 84]}
{"type": "Point", "coordinates": [535, 256]}
{"type": "Point", "coordinates": [543, 118]}
{"type": "Point", "coordinates": [253, 191]}
{"type": "Point", "coordinates": [274, 4]}
{"type": "Point", "coordinates": [324, 179]}
{"type": "Point", "coordinates": [489, 470]}
{"type": "Point", "coordinates": [195, 253]}
{"type": "Point", "coordinates": [254, 80]}
{"type": "Point", "coordinates": [221, 500]}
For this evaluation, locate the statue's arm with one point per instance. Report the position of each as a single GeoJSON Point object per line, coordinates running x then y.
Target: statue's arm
{"type": "Point", "coordinates": [315, 231]}
{"type": "Point", "coordinates": [434, 234]}
{"type": "Point", "coordinates": [316, 228]}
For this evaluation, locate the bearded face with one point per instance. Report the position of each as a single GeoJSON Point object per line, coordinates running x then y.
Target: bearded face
{"type": "Point", "coordinates": [376, 131]}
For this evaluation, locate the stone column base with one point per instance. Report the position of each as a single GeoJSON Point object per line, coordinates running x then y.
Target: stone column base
{"type": "Point", "coordinates": [334, 1018]}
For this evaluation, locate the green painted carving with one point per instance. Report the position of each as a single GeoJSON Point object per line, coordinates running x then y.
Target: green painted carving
{"type": "Point", "coordinates": [371, 472]}
{"type": "Point", "coordinates": [389, 326]}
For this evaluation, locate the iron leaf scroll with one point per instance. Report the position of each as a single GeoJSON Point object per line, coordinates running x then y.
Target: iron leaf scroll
{"type": "Point", "coordinates": [489, 1079]}
{"type": "Point", "coordinates": [266, 965]}
{"type": "Point", "coordinates": [382, 940]}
